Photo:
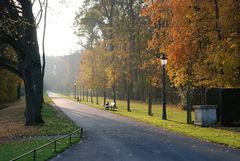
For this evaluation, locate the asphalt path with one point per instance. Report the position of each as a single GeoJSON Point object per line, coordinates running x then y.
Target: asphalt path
{"type": "Point", "coordinates": [109, 137]}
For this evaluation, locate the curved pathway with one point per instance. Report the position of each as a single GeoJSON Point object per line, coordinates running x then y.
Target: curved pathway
{"type": "Point", "coordinates": [109, 137]}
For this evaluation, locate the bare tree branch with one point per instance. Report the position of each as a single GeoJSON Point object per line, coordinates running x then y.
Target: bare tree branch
{"type": "Point", "coordinates": [33, 2]}
{"type": "Point", "coordinates": [40, 11]}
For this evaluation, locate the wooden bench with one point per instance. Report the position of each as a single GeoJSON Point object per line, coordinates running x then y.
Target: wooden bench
{"type": "Point", "coordinates": [110, 106]}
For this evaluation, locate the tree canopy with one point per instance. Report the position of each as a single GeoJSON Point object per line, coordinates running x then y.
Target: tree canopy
{"type": "Point", "coordinates": [201, 41]}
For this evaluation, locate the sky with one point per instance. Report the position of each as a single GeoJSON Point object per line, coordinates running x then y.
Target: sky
{"type": "Point", "coordinates": [60, 39]}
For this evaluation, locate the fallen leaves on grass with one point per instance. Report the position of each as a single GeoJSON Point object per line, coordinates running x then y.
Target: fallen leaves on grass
{"type": "Point", "coordinates": [12, 123]}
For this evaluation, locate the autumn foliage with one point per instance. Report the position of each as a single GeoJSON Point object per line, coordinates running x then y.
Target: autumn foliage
{"type": "Point", "coordinates": [201, 39]}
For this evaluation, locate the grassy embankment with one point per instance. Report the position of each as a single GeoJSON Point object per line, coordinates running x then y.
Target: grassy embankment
{"type": "Point", "coordinates": [176, 122]}
{"type": "Point", "coordinates": [16, 139]}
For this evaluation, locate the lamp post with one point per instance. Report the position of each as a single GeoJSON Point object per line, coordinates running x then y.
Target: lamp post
{"type": "Point", "coordinates": [75, 89]}
{"type": "Point", "coordinates": [164, 63]}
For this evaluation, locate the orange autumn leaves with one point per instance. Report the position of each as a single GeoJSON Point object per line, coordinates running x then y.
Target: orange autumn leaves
{"type": "Point", "coordinates": [186, 30]}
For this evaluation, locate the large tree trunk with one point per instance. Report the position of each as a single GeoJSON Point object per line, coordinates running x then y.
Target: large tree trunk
{"type": "Point", "coordinates": [32, 70]}
{"type": "Point", "coordinates": [33, 84]}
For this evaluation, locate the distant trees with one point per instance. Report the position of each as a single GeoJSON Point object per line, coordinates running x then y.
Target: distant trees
{"type": "Point", "coordinates": [201, 41]}
{"type": "Point", "coordinates": [61, 72]}
{"type": "Point", "coordinates": [19, 51]}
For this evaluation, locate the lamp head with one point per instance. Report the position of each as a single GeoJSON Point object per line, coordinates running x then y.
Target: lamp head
{"type": "Point", "coordinates": [164, 59]}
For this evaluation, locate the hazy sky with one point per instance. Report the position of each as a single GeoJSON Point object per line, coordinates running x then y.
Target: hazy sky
{"type": "Point", "coordinates": [60, 38]}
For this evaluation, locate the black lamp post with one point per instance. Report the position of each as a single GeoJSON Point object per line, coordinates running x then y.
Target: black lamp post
{"type": "Point", "coordinates": [75, 89]}
{"type": "Point", "coordinates": [164, 63]}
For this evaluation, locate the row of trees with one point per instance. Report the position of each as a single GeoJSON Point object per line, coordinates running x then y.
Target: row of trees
{"type": "Point", "coordinates": [125, 37]}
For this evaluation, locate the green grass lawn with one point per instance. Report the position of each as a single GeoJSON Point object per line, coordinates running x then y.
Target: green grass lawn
{"type": "Point", "coordinates": [16, 148]}
{"type": "Point", "coordinates": [19, 139]}
{"type": "Point", "coordinates": [176, 122]}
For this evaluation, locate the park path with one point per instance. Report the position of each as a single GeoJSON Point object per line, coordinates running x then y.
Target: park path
{"type": "Point", "coordinates": [109, 137]}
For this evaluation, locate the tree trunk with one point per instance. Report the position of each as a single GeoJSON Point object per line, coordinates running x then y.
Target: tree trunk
{"type": "Point", "coordinates": [80, 94]}
{"type": "Point", "coordinates": [217, 23]}
{"type": "Point", "coordinates": [97, 97]}
{"type": "Point", "coordinates": [31, 72]}
{"type": "Point", "coordinates": [114, 95]}
{"type": "Point", "coordinates": [91, 96]}
{"type": "Point", "coordinates": [128, 97]}
{"type": "Point", "coordinates": [150, 100]}
{"type": "Point", "coordinates": [131, 52]}
{"type": "Point", "coordinates": [104, 96]}
{"type": "Point", "coordinates": [27, 50]}
{"type": "Point", "coordinates": [87, 95]}
{"type": "Point", "coordinates": [189, 84]}
{"type": "Point", "coordinates": [142, 90]}
{"type": "Point", "coordinates": [73, 92]}
{"type": "Point", "coordinates": [189, 115]}
{"type": "Point", "coordinates": [83, 94]}
{"type": "Point", "coordinates": [32, 81]}
{"type": "Point", "coordinates": [218, 31]}
{"type": "Point", "coordinates": [143, 87]}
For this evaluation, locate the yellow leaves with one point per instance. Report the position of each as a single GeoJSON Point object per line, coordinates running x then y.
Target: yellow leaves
{"type": "Point", "coordinates": [233, 46]}
{"type": "Point", "coordinates": [94, 67]}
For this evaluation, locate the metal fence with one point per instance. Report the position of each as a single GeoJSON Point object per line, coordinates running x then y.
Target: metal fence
{"type": "Point", "coordinates": [54, 142]}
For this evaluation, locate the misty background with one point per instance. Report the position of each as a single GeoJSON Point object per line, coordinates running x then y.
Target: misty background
{"type": "Point", "coordinates": [61, 72]}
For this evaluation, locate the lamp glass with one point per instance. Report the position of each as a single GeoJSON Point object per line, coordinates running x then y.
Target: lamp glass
{"type": "Point", "coordinates": [164, 59]}
{"type": "Point", "coordinates": [164, 62]}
